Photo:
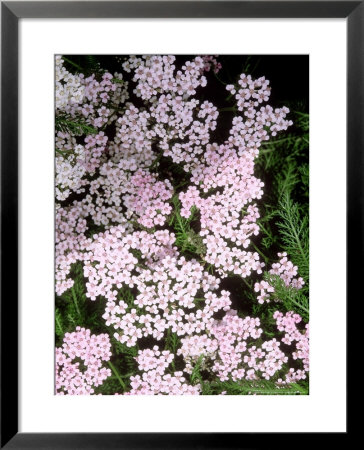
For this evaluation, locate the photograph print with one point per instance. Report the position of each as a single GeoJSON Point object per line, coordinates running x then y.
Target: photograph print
{"type": "Point", "coordinates": [181, 225]}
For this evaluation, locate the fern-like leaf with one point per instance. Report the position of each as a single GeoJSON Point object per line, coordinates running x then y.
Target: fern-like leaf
{"type": "Point", "coordinates": [74, 127]}
{"type": "Point", "coordinates": [293, 299]}
{"type": "Point", "coordinates": [195, 375]}
{"type": "Point", "coordinates": [294, 233]}
{"type": "Point", "coordinates": [260, 387]}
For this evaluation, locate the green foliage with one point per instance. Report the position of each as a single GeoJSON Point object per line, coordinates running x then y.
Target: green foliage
{"type": "Point", "coordinates": [73, 309]}
{"type": "Point", "coordinates": [117, 80]}
{"type": "Point", "coordinates": [110, 386]}
{"type": "Point", "coordinates": [287, 159]}
{"type": "Point", "coordinates": [302, 120]}
{"type": "Point", "coordinates": [206, 388]}
{"type": "Point", "coordinates": [123, 349]}
{"type": "Point", "coordinates": [59, 324]}
{"type": "Point", "coordinates": [303, 186]}
{"type": "Point", "coordinates": [261, 387]}
{"type": "Point", "coordinates": [284, 223]}
{"type": "Point", "coordinates": [71, 306]}
{"type": "Point", "coordinates": [196, 375]}
{"type": "Point", "coordinates": [186, 238]}
{"type": "Point", "coordinates": [265, 222]}
{"type": "Point", "coordinates": [117, 375]}
{"type": "Point", "coordinates": [288, 179]}
{"type": "Point", "coordinates": [127, 296]}
{"type": "Point", "coordinates": [91, 63]}
{"type": "Point", "coordinates": [86, 64]}
{"type": "Point", "coordinates": [123, 360]}
{"type": "Point", "coordinates": [293, 299]}
{"type": "Point", "coordinates": [172, 341]}
{"type": "Point", "coordinates": [293, 228]}
{"type": "Point", "coordinates": [265, 313]}
{"type": "Point", "coordinates": [79, 127]}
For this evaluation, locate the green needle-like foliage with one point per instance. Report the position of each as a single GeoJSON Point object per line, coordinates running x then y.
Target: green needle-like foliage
{"type": "Point", "coordinates": [186, 237]}
{"type": "Point", "coordinates": [293, 299]}
{"type": "Point", "coordinates": [78, 127]}
{"type": "Point", "coordinates": [293, 228]}
{"type": "Point", "coordinates": [284, 222]}
{"type": "Point", "coordinates": [172, 342]}
{"type": "Point", "coordinates": [195, 375]}
{"type": "Point", "coordinates": [86, 64]}
{"type": "Point", "coordinates": [71, 306]}
{"type": "Point", "coordinates": [59, 323]}
{"type": "Point", "coordinates": [261, 387]}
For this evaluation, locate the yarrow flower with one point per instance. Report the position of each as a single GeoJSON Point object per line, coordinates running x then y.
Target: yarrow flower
{"type": "Point", "coordinates": [79, 366]}
{"type": "Point", "coordinates": [210, 62]}
{"type": "Point", "coordinates": [286, 271]}
{"type": "Point", "coordinates": [154, 380]}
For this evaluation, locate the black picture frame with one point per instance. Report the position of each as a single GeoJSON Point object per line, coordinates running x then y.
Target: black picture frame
{"type": "Point", "coordinates": [11, 12]}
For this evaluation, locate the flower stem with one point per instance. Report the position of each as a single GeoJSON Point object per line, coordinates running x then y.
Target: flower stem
{"type": "Point", "coordinates": [75, 302]}
{"type": "Point", "coordinates": [72, 63]}
{"type": "Point", "coordinates": [116, 373]}
{"type": "Point", "coordinates": [59, 324]}
{"type": "Point", "coordinates": [219, 79]}
{"type": "Point", "coordinates": [229, 108]}
{"type": "Point", "coordinates": [260, 253]}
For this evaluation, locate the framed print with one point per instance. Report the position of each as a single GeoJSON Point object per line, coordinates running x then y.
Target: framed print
{"type": "Point", "coordinates": [199, 214]}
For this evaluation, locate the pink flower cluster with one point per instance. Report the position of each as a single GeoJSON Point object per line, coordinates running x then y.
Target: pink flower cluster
{"type": "Point", "coordinates": [70, 241]}
{"type": "Point", "coordinates": [227, 220]}
{"type": "Point", "coordinates": [154, 380]}
{"type": "Point", "coordinates": [110, 262]}
{"type": "Point", "coordinates": [70, 88]}
{"type": "Point", "coordinates": [187, 122]}
{"type": "Point", "coordinates": [95, 101]}
{"type": "Point", "coordinates": [75, 161]}
{"type": "Point", "coordinates": [210, 62]}
{"type": "Point", "coordinates": [249, 94]}
{"type": "Point", "coordinates": [286, 271]}
{"type": "Point", "coordinates": [94, 151]}
{"type": "Point", "coordinates": [171, 115]}
{"type": "Point", "coordinates": [134, 137]}
{"type": "Point", "coordinates": [155, 75]}
{"type": "Point", "coordinates": [70, 170]}
{"type": "Point", "coordinates": [146, 202]}
{"type": "Point", "coordinates": [154, 359]}
{"type": "Point", "coordinates": [79, 365]}
{"type": "Point", "coordinates": [167, 286]}
{"type": "Point", "coordinates": [118, 195]}
{"type": "Point", "coordinates": [229, 349]}
{"type": "Point", "coordinates": [149, 199]}
{"type": "Point", "coordinates": [287, 324]}
{"type": "Point", "coordinates": [228, 352]}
